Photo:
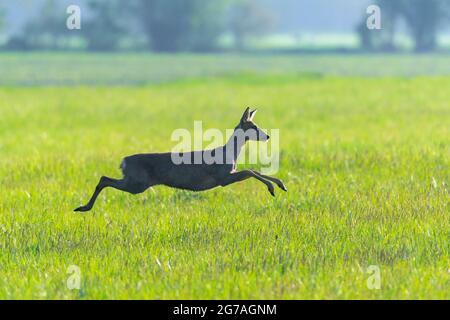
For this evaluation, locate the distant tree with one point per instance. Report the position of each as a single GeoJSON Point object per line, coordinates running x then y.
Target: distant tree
{"type": "Point", "coordinates": [249, 18]}
{"type": "Point", "coordinates": [391, 12]}
{"type": "Point", "coordinates": [45, 31]}
{"type": "Point", "coordinates": [424, 18]}
{"type": "Point", "coordinates": [2, 35]}
{"type": "Point", "coordinates": [182, 24]}
{"type": "Point", "coordinates": [365, 36]}
{"type": "Point", "coordinates": [207, 23]}
{"type": "Point", "coordinates": [104, 29]}
{"type": "Point", "coordinates": [2, 18]}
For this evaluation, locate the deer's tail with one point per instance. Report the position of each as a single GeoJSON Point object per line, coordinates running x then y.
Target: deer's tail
{"type": "Point", "coordinates": [123, 165]}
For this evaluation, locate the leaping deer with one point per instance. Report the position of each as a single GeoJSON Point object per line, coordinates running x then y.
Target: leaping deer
{"type": "Point", "coordinates": [142, 171]}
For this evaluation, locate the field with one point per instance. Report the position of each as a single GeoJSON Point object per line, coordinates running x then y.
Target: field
{"type": "Point", "coordinates": [364, 155]}
{"type": "Point", "coordinates": [140, 69]}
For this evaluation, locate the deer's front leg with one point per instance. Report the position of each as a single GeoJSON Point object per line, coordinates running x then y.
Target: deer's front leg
{"type": "Point", "coordinates": [244, 175]}
{"type": "Point", "coordinates": [278, 182]}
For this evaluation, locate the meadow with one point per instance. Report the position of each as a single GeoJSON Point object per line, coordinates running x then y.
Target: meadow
{"type": "Point", "coordinates": [364, 155]}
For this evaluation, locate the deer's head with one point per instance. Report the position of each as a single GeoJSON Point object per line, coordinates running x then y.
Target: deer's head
{"type": "Point", "coordinates": [249, 129]}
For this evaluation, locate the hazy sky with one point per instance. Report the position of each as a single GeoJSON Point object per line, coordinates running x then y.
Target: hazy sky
{"type": "Point", "coordinates": [318, 15]}
{"type": "Point", "coordinates": [19, 11]}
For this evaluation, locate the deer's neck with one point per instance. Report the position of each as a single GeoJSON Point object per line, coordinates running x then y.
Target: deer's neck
{"type": "Point", "coordinates": [233, 147]}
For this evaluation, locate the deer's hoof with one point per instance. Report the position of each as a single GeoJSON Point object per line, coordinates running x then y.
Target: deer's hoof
{"type": "Point", "coordinates": [281, 185]}
{"type": "Point", "coordinates": [272, 192]}
{"type": "Point", "coordinates": [82, 209]}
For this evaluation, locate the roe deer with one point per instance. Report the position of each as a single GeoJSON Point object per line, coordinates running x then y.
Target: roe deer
{"type": "Point", "coordinates": [142, 171]}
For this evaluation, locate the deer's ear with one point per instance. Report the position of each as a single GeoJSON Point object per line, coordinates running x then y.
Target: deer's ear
{"type": "Point", "coordinates": [245, 115]}
{"type": "Point", "coordinates": [252, 114]}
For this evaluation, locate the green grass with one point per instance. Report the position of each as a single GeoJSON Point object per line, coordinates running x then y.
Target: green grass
{"type": "Point", "coordinates": [366, 162]}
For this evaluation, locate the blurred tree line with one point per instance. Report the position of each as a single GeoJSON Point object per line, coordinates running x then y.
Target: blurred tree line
{"type": "Point", "coordinates": [161, 25]}
{"type": "Point", "coordinates": [200, 25]}
{"type": "Point", "coordinates": [423, 19]}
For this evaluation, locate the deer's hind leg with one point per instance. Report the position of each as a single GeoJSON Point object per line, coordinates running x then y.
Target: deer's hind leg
{"type": "Point", "coordinates": [126, 184]}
